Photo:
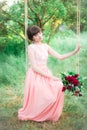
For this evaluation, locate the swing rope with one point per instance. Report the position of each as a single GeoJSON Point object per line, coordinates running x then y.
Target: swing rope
{"type": "Point", "coordinates": [26, 39]}
{"type": "Point", "coordinates": [78, 33]}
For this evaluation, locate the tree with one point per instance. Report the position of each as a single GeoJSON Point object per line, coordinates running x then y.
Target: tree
{"type": "Point", "coordinates": [3, 20]}
{"type": "Point", "coordinates": [12, 25]}
{"type": "Point", "coordinates": [43, 13]}
{"type": "Point", "coordinates": [71, 16]}
{"type": "Point", "coordinates": [46, 14]}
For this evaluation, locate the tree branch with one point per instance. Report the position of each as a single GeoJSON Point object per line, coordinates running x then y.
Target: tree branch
{"type": "Point", "coordinates": [34, 12]}
{"type": "Point", "coordinates": [9, 18]}
{"type": "Point", "coordinates": [22, 36]}
{"type": "Point", "coordinates": [49, 17]}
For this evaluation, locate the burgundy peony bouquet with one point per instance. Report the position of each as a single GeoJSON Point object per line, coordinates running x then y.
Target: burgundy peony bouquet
{"type": "Point", "coordinates": [73, 83]}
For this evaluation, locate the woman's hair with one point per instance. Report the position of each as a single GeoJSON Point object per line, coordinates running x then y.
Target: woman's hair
{"type": "Point", "coordinates": [32, 30]}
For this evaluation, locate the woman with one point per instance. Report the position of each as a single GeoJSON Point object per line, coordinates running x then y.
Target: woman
{"type": "Point", "coordinates": [43, 96]}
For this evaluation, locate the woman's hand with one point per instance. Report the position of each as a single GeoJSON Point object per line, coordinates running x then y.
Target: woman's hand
{"type": "Point", "coordinates": [77, 48]}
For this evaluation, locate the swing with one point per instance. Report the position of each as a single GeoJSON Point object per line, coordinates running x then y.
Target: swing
{"type": "Point", "coordinates": [78, 32]}
{"type": "Point", "coordinates": [43, 97]}
{"type": "Point", "coordinates": [77, 28]}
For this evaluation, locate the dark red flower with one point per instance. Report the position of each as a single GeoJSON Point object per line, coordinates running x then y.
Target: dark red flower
{"type": "Point", "coordinates": [76, 75]}
{"type": "Point", "coordinates": [68, 78]}
{"type": "Point", "coordinates": [72, 80]}
{"type": "Point", "coordinates": [75, 81]}
{"type": "Point", "coordinates": [69, 87]}
{"type": "Point", "coordinates": [64, 88]}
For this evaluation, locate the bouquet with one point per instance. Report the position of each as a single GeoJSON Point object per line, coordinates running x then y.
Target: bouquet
{"type": "Point", "coordinates": [73, 83]}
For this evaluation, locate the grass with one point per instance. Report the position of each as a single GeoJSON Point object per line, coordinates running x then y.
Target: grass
{"type": "Point", "coordinates": [12, 76]}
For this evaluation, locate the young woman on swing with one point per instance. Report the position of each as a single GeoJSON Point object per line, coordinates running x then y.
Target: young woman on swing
{"type": "Point", "coordinates": [43, 95]}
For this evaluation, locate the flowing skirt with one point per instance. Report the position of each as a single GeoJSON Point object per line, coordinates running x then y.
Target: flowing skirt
{"type": "Point", "coordinates": [43, 98]}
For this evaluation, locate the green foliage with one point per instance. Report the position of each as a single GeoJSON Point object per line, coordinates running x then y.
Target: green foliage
{"type": "Point", "coordinates": [83, 15]}
{"type": "Point", "coordinates": [46, 14]}
{"type": "Point", "coordinates": [3, 19]}
{"type": "Point", "coordinates": [12, 30]}
{"type": "Point", "coordinates": [71, 17]}
{"type": "Point", "coordinates": [12, 69]}
{"type": "Point", "coordinates": [40, 12]}
{"type": "Point", "coordinates": [12, 45]}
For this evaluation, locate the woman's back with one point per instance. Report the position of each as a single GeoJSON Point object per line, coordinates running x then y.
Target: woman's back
{"type": "Point", "coordinates": [40, 53]}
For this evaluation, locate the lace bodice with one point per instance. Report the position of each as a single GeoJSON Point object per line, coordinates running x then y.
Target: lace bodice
{"type": "Point", "coordinates": [40, 53]}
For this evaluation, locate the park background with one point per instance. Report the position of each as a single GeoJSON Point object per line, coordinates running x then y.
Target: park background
{"type": "Point", "coordinates": [58, 21]}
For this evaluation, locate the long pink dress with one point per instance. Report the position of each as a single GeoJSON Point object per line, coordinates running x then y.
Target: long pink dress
{"type": "Point", "coordinates": [43, 97]}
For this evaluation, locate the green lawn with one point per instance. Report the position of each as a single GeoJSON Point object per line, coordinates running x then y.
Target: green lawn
{"type": "Point", "coordinates": [12, 75]}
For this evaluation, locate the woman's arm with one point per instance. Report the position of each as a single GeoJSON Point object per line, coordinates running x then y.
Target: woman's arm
{"type": "Point", "coordinates": [64, 56]}
{"type": "Point", "coordinates": [35, 67]}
